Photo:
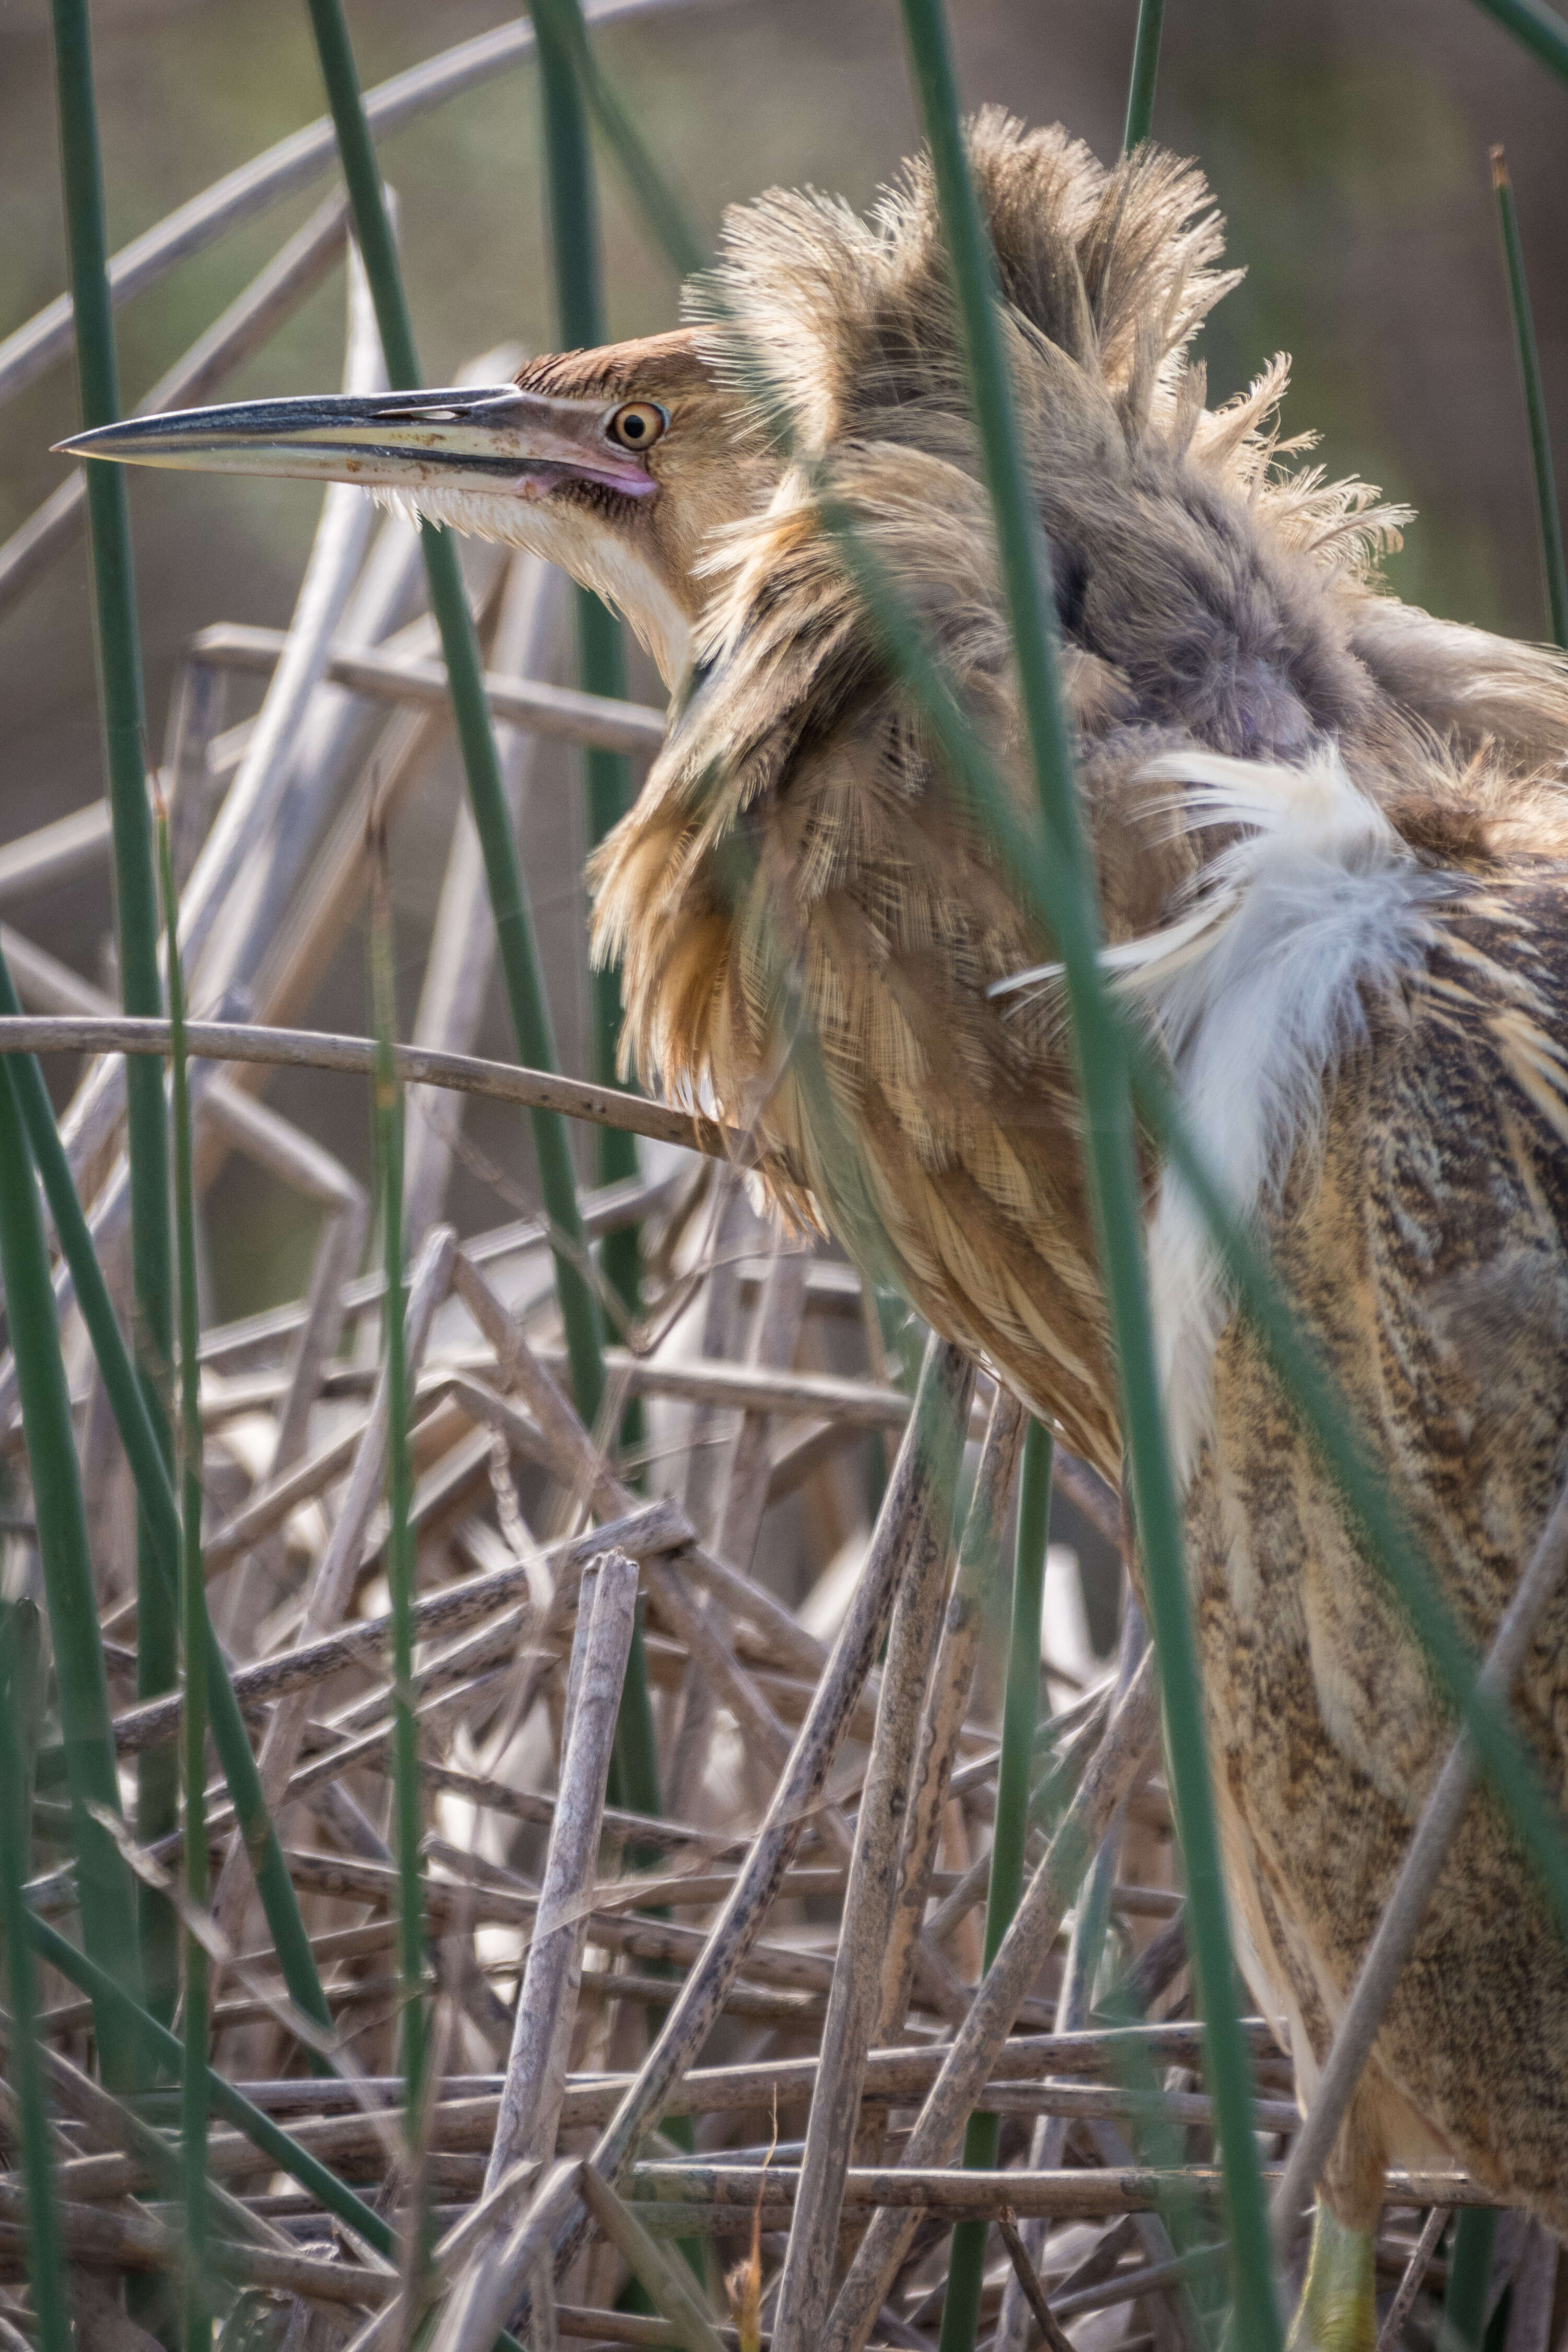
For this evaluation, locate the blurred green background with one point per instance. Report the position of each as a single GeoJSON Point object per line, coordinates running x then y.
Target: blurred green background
{"type": "Point", "coordinates": [1346, 143]}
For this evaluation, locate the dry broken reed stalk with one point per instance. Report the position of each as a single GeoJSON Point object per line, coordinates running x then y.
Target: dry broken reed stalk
{"type": "Point", "coordinates": [792, 1938]}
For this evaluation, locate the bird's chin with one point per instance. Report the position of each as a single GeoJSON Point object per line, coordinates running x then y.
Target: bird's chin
{"type": "Point", "coordinates": [542, 512]}
{"type": "Point", "coordinates": [575, 526]}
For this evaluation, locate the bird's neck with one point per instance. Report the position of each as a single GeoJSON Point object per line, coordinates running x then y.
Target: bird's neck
{"type": "Point", "coordinates": [1164, 578]}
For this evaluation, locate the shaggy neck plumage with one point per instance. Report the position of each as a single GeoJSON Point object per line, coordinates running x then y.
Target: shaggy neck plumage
{"type": "Point", "coordinates": [1165, 578]}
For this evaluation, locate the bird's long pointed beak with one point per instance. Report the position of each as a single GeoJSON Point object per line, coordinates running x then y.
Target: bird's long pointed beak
{"type": "Point", "coordinates": [493, 438]}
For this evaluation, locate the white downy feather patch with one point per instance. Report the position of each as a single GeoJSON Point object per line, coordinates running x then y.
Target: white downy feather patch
{"type": "Point", "coordinates": [1257, 990]}
{"type": "Point", "coordinates": [1318, 905]}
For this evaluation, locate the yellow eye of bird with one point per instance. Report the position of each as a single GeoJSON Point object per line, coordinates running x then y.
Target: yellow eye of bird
{"type": "Point", "coordinates": [637, 425]}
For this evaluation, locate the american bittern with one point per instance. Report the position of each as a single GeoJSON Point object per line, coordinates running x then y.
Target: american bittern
{"type": "Point", "coordinates": [1329, 833]}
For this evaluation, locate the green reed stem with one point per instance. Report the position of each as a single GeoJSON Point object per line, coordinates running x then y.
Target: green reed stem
{"type": "Point", "coordinates": [1110, 1164]}
{"type": "Point", "coordinates": [1542, 29]}
{"type": "Point", "coordinates": [1020, 1713]}
{"type": "Point", "coordinates": [136, 911]}
{"type": "Point", "coordinates": [602, 669]}
{"type": "Point", "coordinates": [19, 1667]}
{"type": "Point", "coordinates": [1470, 2277]}
{"type": "Point", "coordinates": [197, 2313]}
{"type": "Point", "coordinates": [661, 207]}
{"type": "Point", "coordinates": [1145, 73]}
{"type": "Point", "coordinates": [1548, 514]}
{"type": "Point", "coordinates": [1024, 558]}
{"type": "Point", "coordinates": [108, 1899]}
{"type": "Point", "coordinates": [515, 939]}
{"type": "Point", "coordinates": [406, 1801]}
{"type": "Point", "coordinates": [1020, 1703]}
{"type": "Point", "coordinates": [155, 1495]}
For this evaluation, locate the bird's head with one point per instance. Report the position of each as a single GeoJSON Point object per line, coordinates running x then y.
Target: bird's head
{"type": "Point", "coordinates": [616, 464]}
